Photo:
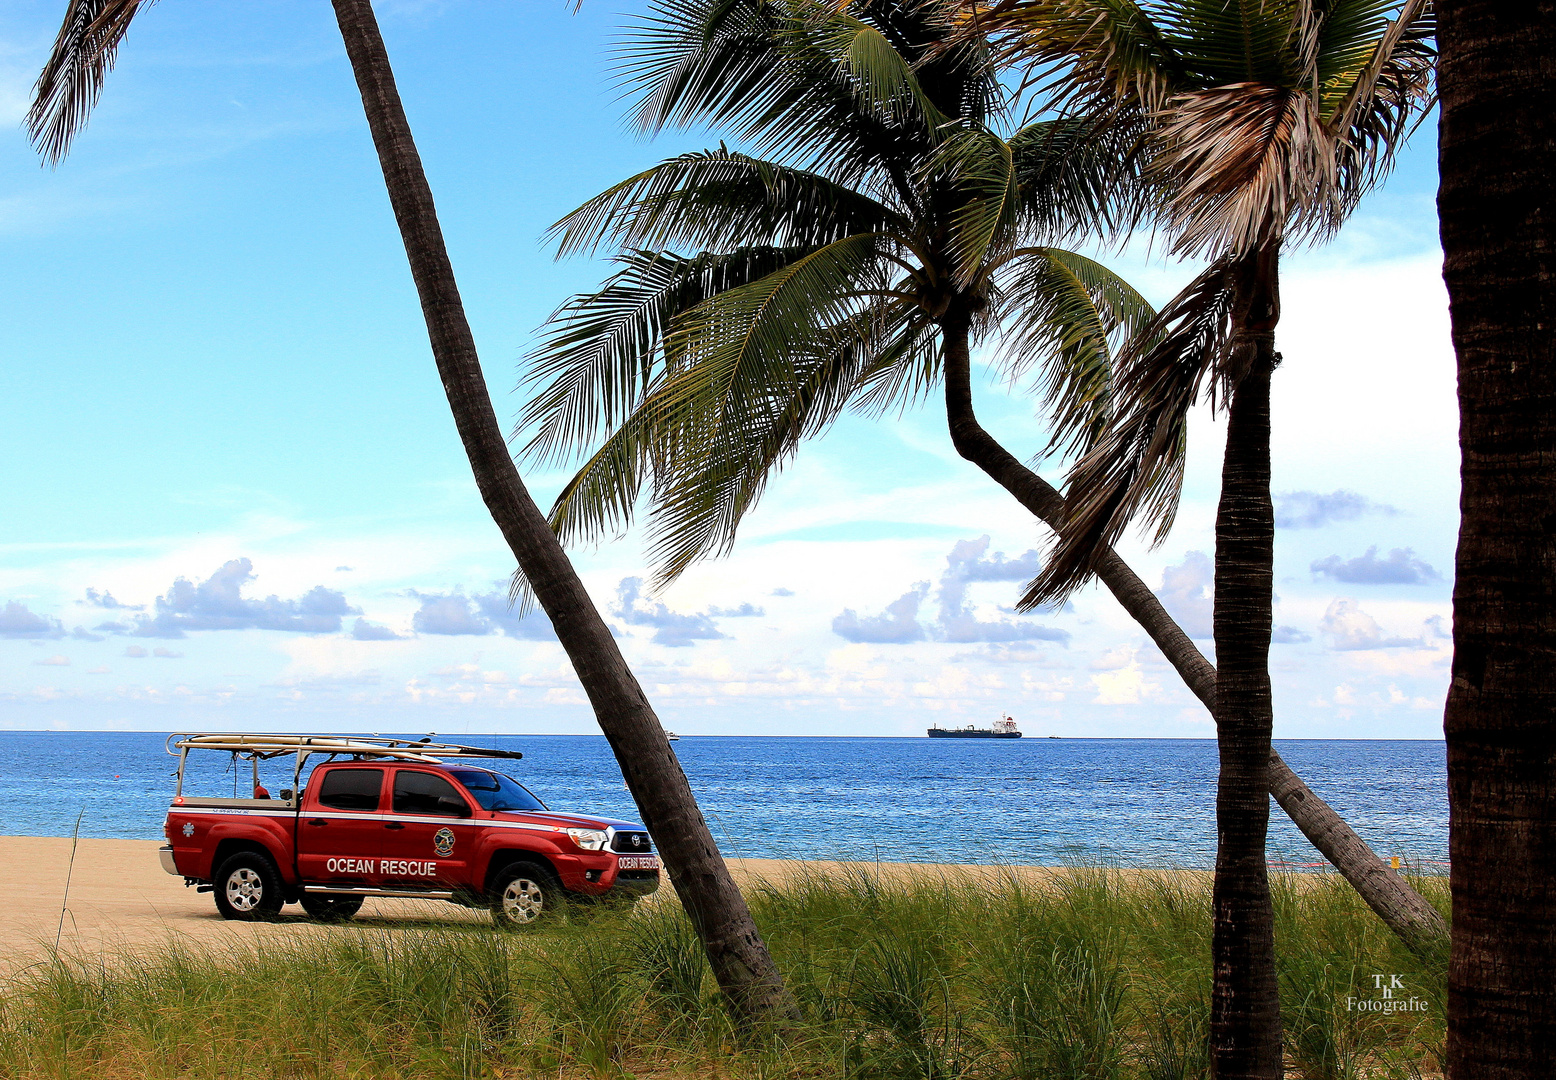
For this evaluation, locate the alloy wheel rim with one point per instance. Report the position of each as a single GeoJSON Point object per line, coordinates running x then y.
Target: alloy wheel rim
{"type": "Point", "coordinates": [245, 889]}
{"type": "Point", "coordinates": [522, 900]}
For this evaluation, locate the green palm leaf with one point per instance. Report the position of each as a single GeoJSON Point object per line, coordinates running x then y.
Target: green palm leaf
{"type": "Point", "coordinates": [1135, 467]}
{"type": "Point", "coordinates": [718, 199]}
{"type": "Point", "coordinates": [1064, 315]}
{"type": "Point", "coordinates": [599, 355]}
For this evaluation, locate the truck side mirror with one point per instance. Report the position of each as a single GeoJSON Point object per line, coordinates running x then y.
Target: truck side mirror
{"type": "Point", "coordinates": [287, 793]}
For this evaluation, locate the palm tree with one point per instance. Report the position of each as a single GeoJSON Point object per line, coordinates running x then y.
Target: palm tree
{"type": "Point", "coordinates": [1259, 125]}
{"type": "Point", "coordinates": [67, 90]}
{"type": "Point", "coordinates": [671, 382]}
{"type": "Point", "coordinates": [1497, 157]}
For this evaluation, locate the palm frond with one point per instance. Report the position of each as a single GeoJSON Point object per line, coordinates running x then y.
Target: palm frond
{"type": "Point", "coordinates": [702, 490]}
{"type": "Point", "coordinates": [601, 349]}
{"type": "Point", "coordinates": [703, 494]}
{"type": "Point", "coordinates": [1136, 466]}
{"type": "Point", "coordinates": [884, 79]}
{"type": "Point", "coordinates": [1086, 53]}
{"type": "Point", "coordinates": [1079, 175]}
{"type": "Point", "coordinates": [977, 164]}
{"type": "Point", "coordinates": [718, 199]}
{"type": "Point", "coordinates": [1064, 315]}
{"type": "Point", "coordinates": [1392, 92]}
{"type": "Point", "coordinates": [1243, 165]}
{"type": "Point", "coordinates": [72, 80]}
{"type": "Point", "coordinates": [801, 81]}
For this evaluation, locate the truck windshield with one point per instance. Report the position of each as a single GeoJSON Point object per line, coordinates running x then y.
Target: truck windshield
{"type": "Point", "coordinates": [495, 791]}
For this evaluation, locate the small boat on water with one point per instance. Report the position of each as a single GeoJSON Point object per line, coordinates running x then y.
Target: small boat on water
{"type": "Point", "coordinates": [1004, 728]}
{"type": "Point", "coordinates": [672, 736]}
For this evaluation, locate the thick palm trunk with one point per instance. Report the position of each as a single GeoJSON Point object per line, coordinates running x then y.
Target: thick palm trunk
{"type": "Point", "coordinates": [1401, 908]}
{"type": "Point", "coordinates": [1497, 157]}
{"type": "Point", "coordinates": [739, 959]}
{"type": "Point", "coordinates": [1245, 1034]}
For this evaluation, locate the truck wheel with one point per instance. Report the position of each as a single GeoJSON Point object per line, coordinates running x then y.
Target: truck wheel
{"type": "Point", "coordinates": [524, 893]}
{"type": "Point", "coordinates": [248, 888]}
{"type": "Point", "coordinates": [333, 909]}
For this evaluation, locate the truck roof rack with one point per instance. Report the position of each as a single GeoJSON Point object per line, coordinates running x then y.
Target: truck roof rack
{"type": "Point", "coordinates": [261, 746]}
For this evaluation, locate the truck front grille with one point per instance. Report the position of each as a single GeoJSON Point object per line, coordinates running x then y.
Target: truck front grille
{"type": "Point", "coordinates": [632, 843]}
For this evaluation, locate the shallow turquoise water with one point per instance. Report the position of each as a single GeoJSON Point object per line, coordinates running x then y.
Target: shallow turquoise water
{"type": "Point", "coordinates": [1136, 802]}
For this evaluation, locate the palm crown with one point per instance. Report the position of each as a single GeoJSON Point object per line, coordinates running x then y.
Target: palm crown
{"type": "Point", "coordinates": [879, 218]}
{"type": "Point", "coordinates": [1254, 125]}
{"type": "Point", "coordinates": [1256, 120]}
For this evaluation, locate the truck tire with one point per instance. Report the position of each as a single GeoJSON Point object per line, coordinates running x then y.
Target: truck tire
{"type": "Point", "coordinates": [247, 888]}
{"type": "Point", "coordinates": [523, 894]}
{"type": "Point", "coordinates": [330, 909]}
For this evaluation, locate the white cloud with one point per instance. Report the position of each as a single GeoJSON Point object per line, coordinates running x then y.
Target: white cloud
{"type": "Point", "coordinates": [1350, 628]}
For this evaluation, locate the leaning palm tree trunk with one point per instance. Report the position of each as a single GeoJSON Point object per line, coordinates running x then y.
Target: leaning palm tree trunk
{"type": "Point", "coordinates": [1497, 155]}
{"type": "Point", "coordinates": [739, 958]}
{"type": "Point", "coordinates": [1401, 908]}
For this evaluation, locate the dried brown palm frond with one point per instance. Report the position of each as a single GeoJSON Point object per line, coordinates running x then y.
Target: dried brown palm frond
{"type": "Point", "coordinates": [72, 79]}
{"type": "Point", "coordinates": [1245, 164]}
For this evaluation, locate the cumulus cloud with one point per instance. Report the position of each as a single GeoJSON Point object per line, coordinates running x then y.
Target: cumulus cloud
{"type": "Point", "coordinates": [218, 603]}
{"type": "Point", "coordinates": [1187, 593]}
{"type": "Point", "coordinates": [166, 654]}
{"type": "Point", "coordinates": [1313, 510]}
{"type": "Point", "coordinates": [744, 611]}
{"type": "Point", "coordinates": [53, 661]}
{"type": "Point", "coordinates": [134, 652]}
{"type": "Point", "coordinates": [897, 626]}
{"type": "Point", "coordinates": [503, 613]}
{"type": "Point", "coordinates": [1400, 568]}
{"type": "Point", "coordinates": [957, 619]}
{"type": "Point", "coordinates": [485, 613]}
{"type": "Point", "coordinates": [968, 562]}
{"type": "Point", "coordinates": [106, 600]}
{"type": "Point", "coordinates": [1288, 635]}
{"type": "Point", "coordinates": [782, 592]}
{"type": "Point", "coordinates": [18, 621]}
{"type": "Point", "coordinates": [81, 633]}
{"type": "Point", "coordinates": [1352, 629]}
{"type": "Point", "coordinates": [363, 630]}
{"type": "Point", "coordinates": [450, 614]}
{"type": "Point", "coordinates": [673, 628]}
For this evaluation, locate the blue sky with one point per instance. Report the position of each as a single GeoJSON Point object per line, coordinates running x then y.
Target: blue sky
{"type": "Point", "coordinates": [213, 353]}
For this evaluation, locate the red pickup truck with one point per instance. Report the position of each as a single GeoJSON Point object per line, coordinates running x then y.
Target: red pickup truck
{"type": "Point", "coordinates": [386, 817]}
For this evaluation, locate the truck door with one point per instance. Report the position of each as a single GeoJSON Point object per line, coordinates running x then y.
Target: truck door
{"type": "Point", "coordinates": [424, 842]}
{"type": "Point", "coordinates": [340, 829]}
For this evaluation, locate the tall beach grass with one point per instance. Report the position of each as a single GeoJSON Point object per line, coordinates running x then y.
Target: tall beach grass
{"type": "Point", "coordinates": [1080, 975]}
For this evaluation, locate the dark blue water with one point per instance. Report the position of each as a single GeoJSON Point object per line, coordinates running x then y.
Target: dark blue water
{"type": "Point", "coordinates": [1134, 802]}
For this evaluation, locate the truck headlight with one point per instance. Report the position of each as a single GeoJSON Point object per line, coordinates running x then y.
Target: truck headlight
{"type": "Point", "coordinates": [589, 839]}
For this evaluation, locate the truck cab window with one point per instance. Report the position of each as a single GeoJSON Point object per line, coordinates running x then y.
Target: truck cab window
{"type": "Point", "coordinates": [351, 789]}
{"type": "Point", "coordinates": [494, 791]}
{"type": "Point", "coordinates": [424, 793]}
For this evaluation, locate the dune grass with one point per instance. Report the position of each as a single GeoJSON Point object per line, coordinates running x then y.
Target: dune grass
{"type": "Point", "coordinates": [1088, 975]}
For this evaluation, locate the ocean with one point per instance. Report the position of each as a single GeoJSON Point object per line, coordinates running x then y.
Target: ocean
{"type": "Point", "coordinates": [1129, 802]}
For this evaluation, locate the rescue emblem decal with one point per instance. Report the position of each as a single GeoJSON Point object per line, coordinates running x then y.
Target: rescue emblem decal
{"type": "Point", "coordinates": [188, 828]}
{"type": "Point", "coordinates": [443, 842]}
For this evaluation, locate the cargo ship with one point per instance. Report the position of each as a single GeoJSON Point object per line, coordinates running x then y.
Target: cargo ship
{"type": "Point", "coordinates": [1004, 728]}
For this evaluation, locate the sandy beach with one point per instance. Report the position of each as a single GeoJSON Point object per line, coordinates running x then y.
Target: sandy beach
{"type": "Point", "coordinates": [119, 897]}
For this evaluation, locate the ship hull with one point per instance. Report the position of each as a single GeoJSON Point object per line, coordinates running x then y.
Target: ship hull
{"type": "Point", "coordinates": [943, 733]}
